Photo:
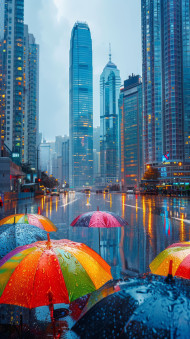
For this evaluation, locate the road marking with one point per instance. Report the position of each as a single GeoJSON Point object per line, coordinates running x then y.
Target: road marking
{"type": "Point", "coordinates": [185, 220]}
{"type": "Point", "coordinates": [140, 208]}
{"type": "Point", "coordinates": [70, 202]}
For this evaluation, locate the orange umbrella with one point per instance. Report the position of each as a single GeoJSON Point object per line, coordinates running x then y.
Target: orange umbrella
{"type": "Point", "coordinates": [32, 219]}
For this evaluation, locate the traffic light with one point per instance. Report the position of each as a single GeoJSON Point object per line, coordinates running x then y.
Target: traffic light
{"type": "Point", "coordinates": [37, 180]}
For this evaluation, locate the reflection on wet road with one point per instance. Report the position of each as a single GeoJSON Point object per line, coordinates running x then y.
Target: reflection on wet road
{"type": "Point", "coordinates": [154, 223]}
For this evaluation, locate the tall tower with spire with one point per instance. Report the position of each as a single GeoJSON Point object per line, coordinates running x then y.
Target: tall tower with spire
{"type": "Point", "coordinates": [110, 82]}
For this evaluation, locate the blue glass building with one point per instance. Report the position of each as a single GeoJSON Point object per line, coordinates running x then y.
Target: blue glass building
{"type": "Point", "coordinates": [30, 99]}
{"type": "Point", "coordinates": [12, 51]}
{"type": "Point", "coordinates": [166, 80]}
{"type": "Point", "coordinates": [81, 106]}
{"type": "Point", "coordinates": [131, 141]}
{"type": "Point", "coordinates": [110, 82]}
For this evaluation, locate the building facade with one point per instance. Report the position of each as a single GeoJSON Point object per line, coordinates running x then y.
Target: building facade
{"type": "Point", "coordinates": [131, 140]}
{"type": "Point", "coordinates": [31, 100]}
{"type": "Point", "coordinates": [13, 51]}
{"type": "Point", "coordinates": [110, 82]}
{"type": "Point", "coordinates": [81, 106]}
{"type": "Point", "coordinates": [166, 81]}
{"type": "Point", "coordinates": [19, 84]}
{"type": "Point", "coordinates": [65, 162]}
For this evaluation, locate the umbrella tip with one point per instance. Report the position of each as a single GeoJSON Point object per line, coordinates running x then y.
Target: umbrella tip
{"type": "Point", "coordinates": [98, 208]}
{"type": "Point", "coordinates": [170, 278]}
{"type": "Point", "coordinates": [48, 237]}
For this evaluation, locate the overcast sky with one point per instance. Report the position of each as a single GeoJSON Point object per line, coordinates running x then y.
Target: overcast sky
{"type": "Point", "coordinates": [51, 22]}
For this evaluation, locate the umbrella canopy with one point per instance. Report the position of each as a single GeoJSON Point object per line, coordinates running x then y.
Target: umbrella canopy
{"type": "Point", "coordinates": [99, 219]}
{"type": "Point", "coordinates": [32, 219]}
{"type": "Point", "coordinates": [51, 272]}
{"type": "Point", "coordinates": [179, 254]}
{"type": "Point", "coordinates": [12, 236]}
{"type": "Point", "coordinates": [143, 307]}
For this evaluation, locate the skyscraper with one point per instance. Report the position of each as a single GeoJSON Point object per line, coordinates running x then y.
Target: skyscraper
{"type": "Point", "coordinates": [31, 99]}
{"type": "Point", "coordinates": [2, 82]}
{"type": "Point", "coordinates": [81, 106]}
{"type": "Point", "coordinates": [11, 55]}
{"type": "Point", "coordinates": [19, 84]}
{"type": "Point", "coordinates": [166, 80]}
{"type": "Point", "coordinates": [131, 155]}
{"type": "Point", "coordinates": [110, 82]}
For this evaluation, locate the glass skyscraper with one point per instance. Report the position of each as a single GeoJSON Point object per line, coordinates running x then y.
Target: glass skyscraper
{"type": "Point", "coordinates": [31, 99]}
{"type": "Point", "coordinates": [12, 51]}
{"type": "Point", "coordinates": [19, 84]}
{"type": "Point", "coordinates": [131, 141]}
{"type": "Point", "coordinates": [110, 82]}
{"type": "Point", "coordinates": [81, 106]}
{"type": "Point", "coordinates": [166, 79]}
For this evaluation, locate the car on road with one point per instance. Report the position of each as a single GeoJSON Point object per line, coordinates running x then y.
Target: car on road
{"type": "Point", "coordinates": [55, 192]}
{"type": "Point", "coordinates": [130, 192]}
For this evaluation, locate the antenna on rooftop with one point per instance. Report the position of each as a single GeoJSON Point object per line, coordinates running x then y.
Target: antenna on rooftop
{"type": "Point", "coordinates": [109, 52]}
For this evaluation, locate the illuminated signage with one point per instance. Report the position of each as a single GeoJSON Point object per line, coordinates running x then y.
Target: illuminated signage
{"type": "Point", "coordinates": [166, 157]}
{"type": "Point", "coordinates": [15, 155]}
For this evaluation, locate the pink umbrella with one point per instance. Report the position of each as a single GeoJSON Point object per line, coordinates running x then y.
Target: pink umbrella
{"type": "Point", "coordinates": [99, 219]}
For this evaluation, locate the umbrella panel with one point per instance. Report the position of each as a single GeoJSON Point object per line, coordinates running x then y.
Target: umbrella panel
{"type": "Point", "coordinates": [65, 269]}
{"type": "Point", "coordinates": [14, 235]}
{"type": "Point", "coordinates": [99, 219]}
{"type": "Point", "coordinates": [145, 307]}
{"type": "Point", "coordinates": [33, 219]}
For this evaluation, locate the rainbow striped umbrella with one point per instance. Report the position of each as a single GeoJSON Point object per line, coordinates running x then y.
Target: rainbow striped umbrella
{"type": "Point", "coordinates": [37, 220]}
{"type": "Point", "coordinates": [179, 255]}
{"type": "Point", "coordinates": [50, 272]}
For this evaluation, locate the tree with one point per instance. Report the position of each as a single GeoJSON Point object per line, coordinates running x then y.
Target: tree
{"type": "Point", "coordinates": [151, 173]}
{"type": "Point", "coordinates": [48, 181]}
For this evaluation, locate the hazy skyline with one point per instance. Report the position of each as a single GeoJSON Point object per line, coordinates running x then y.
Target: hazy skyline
{"type": "Point", "coordinates": [51, 21]}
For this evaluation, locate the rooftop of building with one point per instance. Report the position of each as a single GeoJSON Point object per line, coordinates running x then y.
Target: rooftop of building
{"type": "Point", "coordinates": [132, 81]}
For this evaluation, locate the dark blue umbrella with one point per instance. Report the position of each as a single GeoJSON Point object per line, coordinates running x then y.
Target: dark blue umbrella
{"type": "Point", "coordinates": [14, 235]}
{"type": "Point", "coordinates": [142, 307]}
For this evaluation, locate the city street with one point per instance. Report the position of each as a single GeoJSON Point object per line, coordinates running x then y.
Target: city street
{"type": "Point", "coordinates": [154, 223]}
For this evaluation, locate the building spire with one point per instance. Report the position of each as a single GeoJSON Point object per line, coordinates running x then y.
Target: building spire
{"type": "Point", "coordinates": [109, 52]}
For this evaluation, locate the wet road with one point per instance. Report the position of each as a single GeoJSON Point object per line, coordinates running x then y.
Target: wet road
{"type": "Point", "coordinates": [154, 223]}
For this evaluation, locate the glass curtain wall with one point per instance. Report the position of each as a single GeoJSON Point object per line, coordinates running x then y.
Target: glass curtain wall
{"type": "Point", "coordinates": [81, 107]}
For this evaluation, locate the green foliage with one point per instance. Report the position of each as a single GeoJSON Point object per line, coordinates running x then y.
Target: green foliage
{"type": "Point", "coordinates": [48, 181]}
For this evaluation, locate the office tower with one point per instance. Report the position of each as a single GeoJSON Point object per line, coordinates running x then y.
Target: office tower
{"type": "Point", "coordinates": [13, 51]}
{"type": "Point", "coordinates": [166, 80]}
{"type": "Point", "coordinates": [2, 83]}
{"type": "Point", "coordinates": [30, 100]}
{"type": "Point", "coordinates": [96, 139]}
{"type": "Point", "coordinates": [65, 161]}
{"type": "Point", "coordinates": [131, 155]}
{"type": "Point", "coordinates": [110, 82]}
{"type": "Point", "coordinates": [81, 106]}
